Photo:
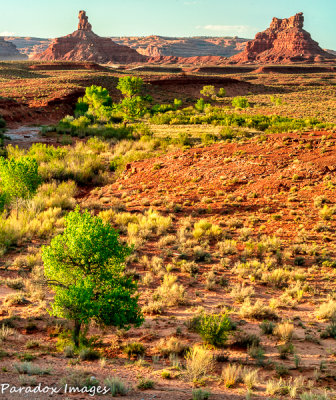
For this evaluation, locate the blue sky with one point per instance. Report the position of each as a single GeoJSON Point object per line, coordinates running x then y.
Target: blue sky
{"type": "Point", "coordinates": [244, 18]}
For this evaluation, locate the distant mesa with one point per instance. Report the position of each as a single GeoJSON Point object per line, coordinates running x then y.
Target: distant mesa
{"type": "Point", "coordinates": [9, 52]}
{"type": "Point", "coordinates": [285, 41]}
{"type": "Point", "coordinates": [85, 45]}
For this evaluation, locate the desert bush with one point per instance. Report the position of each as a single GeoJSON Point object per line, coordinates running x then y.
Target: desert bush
{"type": "Point", "coordinates": [227, 247]}
{"type": "Point", "coordinates": [327, 310]}
{"type": "Point", "coordinates": [15, 283]}
{"type": "Point", "coordinates": [205, 229]}
{"type": "Point", "coordinates": [116, 386]}
{"type": "Point", "coordinates": [5, 332]}
{"type": "Point", "coordinates": [80, 379]}
{"type": "Point", "coordinates": [231, 375]}
{"type": "Point", "coordinates": [50, 195]}
{"type": "Point", "coordinates": [258, 310]}
{"type": "Point", "coordinates": [329, 331]}
{"type": "Point", "coordinates": [267, 327]}
{"type": "Point", "coordinates": [277, 386]}
{"type": "Point", "coordinates": [199, 394]}
{"type": "Point", "coordinates": [250, 377]}
{"type": "Point", "coordinates": [246, 340]}
{"type": "Point", "coordinates": [153, 307]}
{"type": "Point", "coordinates": [199, 363]}
{"type": "Point", "coordinates": [314, 396]}
{"type": "Point", "coordinates": [145, 384]}
{"type": "Point", "coordinates": [170, 293]}
{"type": "Point", "coordinates": [87, 354]}
{"type": "Point", "coordinates": [277, 278]}
{"type": "Point", "coordinates": [134, 349]}
{"type": "Point", "coordinates": [240, 102]}
{"type": "Point", "coordinates": [214, 328]}
{"type": "Point", "coordinates": [242, 292]}
{"type": "Point", "coordinates": [30, 369]}
{"type": "Point", "coordinates": [285, 350]}
{"type": "Point", "coordinates": [172, 345]}
{"type": "Point", "coordinates": [15, 299]}
{"type": "Point", "coordinates": [284, 331]}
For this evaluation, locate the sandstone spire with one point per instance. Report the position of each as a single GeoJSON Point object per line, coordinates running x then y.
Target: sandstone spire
{"type": "Point", "coordinates": [84, 23]}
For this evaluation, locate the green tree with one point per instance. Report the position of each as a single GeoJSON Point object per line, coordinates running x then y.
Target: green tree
{"type": "Point", "coordinates": [85, 267]}
{"type": "Point", "coordinates": [240, 102]}
{"type": "Point", "coordinates": [130, 86]}
{"type": "Point", "coordinates": [221, 92]}
{"type": "Point", "coordinates": [200, 105]}
{"type": "Point", "coordinates": [208, 91]}
{"type": "Point", "coordinates": [177, 103]}
{"type": "Point", "coordinates": [95, 100]}
{"type": "Point", "coordinates": [133, 105]}
{"type": "Point", "coordinates": [19, 179]}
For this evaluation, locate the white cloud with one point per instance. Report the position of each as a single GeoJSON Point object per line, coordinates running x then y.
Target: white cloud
{"type": "Point", "coordinates": [227, 28]}
{"type": "Point", "coordinates": [6, 33]}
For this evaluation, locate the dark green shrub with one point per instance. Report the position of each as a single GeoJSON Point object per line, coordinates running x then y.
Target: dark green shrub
{"type": "Point", "coordinates": [134, 349]}
{"type": "Point", "coordinates": [214, 328]}
{"type": "Point", "coordinates": [87, 354]}
{"type": "Point", "coordinates": [240, 102]}
{"type": "Point", "coordinates": [267, 327]}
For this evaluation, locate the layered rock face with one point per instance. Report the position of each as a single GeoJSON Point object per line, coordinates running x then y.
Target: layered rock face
{"type": "Point", "coordinates": [9, 52]}
{"type": "Point", "coordinates": [160, 46]}
{"type": "Point", "coordinates": [284, 41]}
{"type": "Point", "coordinates": [85, 45]}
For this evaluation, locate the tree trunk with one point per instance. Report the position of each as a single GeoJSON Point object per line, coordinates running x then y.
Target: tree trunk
{"type": "Point", "coordinates": [76, 333]}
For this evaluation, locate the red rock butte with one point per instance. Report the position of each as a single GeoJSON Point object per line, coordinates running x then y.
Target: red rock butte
{"type": "Point", "coordinates": [285, 41]}
{"type": "Point", "coordinates": [85, 45]}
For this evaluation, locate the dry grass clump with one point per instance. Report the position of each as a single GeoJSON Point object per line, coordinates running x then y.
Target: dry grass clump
{"type": "Point", "coordinates": [172, 345]}
{"type": "Point", "coordinates": [233, 374]}
{"type": "Point", "coordinates": [205, 229]}
{"type": "Point", "coordinates": [327, 310]}
{"type": "Point", "coordinates": [5, 332]}
{"type": "Point", "coordinates": [284, 331]}
{"type": "Point", "coordinates": [170, 293]}
{"type": "Point", "coordinates": [242, 292]}
{"type": "Point", "coordinates": [258, 310]}
{"type": "Point", "coordinates": [199, 363]}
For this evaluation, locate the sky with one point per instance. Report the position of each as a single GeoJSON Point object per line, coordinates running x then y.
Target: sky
{"type": "Point", "coordinates": [243, 18]}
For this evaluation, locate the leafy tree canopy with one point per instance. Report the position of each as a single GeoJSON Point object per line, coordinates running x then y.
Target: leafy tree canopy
{"type": "Point", "coordinates": [85, 267]}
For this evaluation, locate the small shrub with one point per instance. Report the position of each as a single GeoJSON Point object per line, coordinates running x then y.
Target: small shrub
{"type": "Point", "coordinates": [80, 379]}
{"type": "Point", "coordinates": [327, 310]}
{"type": "Point", "coordinates": [267, 327]}
{"type": "Point", "coordinates": [281, 370]}
{"type": "Point", "coordinates": [258, 310]}
{"type": "Point", "coordinates": [170, 293]}
{"type": "Point", "coordinates": [250, 378]}
{"type": "Point", "coordinates": [145, 384]}
{"type": "Point", "coordinates": [172, 346]}
{"type": "Point", "coordinates": [284, 331]}
{"type": "Point", "coordinates": [199, 394]}
{"type": "Point", "coordinates": [214, 328]}
{"type": "Point", "coordinates": [15, 299]}
{"type": "Point", "coordinates": [87, 354]}
{"type": "Point", "coordinates": [245, 340]}
{"type": "Point", "coordinates": [231, 375]}
{"type": "Point", "coordinates": [240, 102]}
{"type": "Point", "coordinates": [285, 350]}
{"type": "Point", "coordinates": [30, 369]}
{"type": "Point", "coordinates": [134, 349]}
{"type": "Point", "coordinates": [199, 363]}
{"type": "Point", "coordinates": [116, 386]}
